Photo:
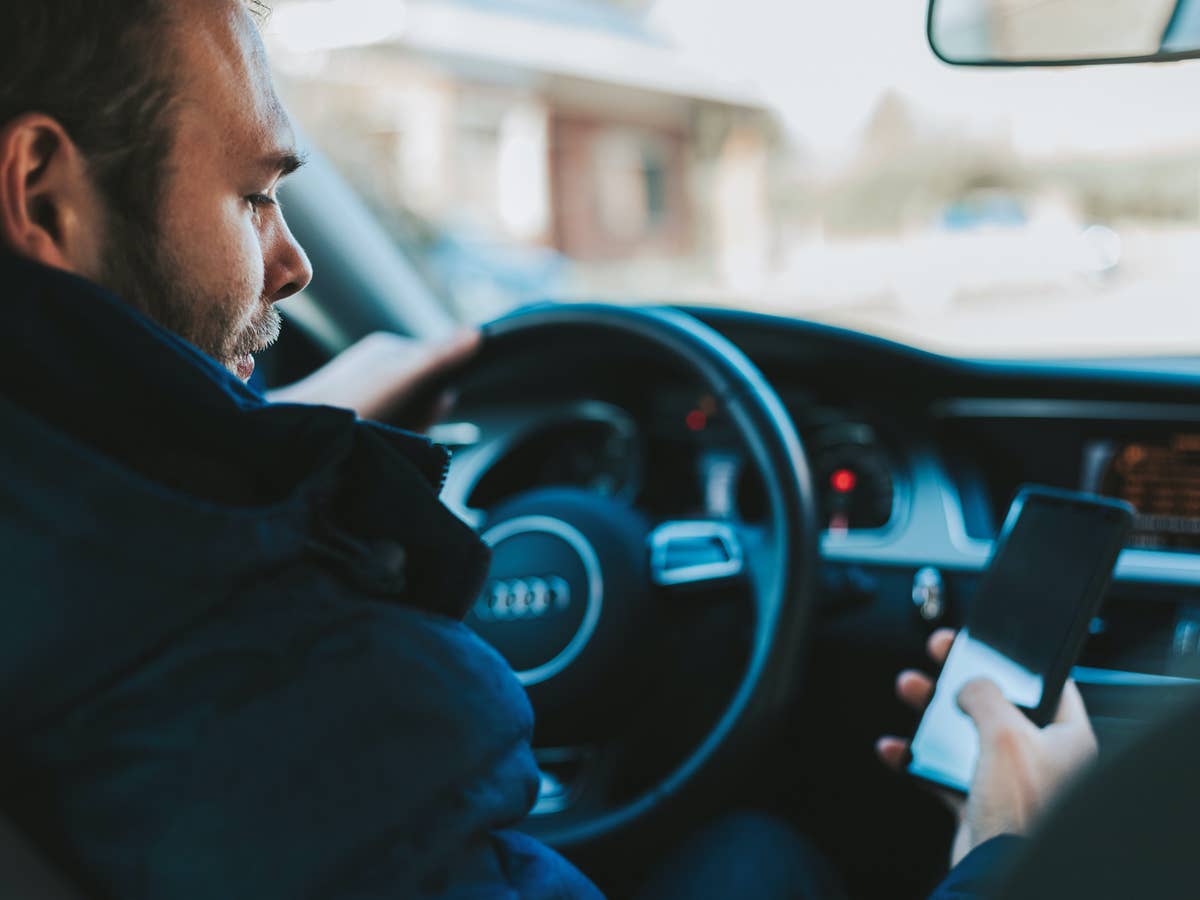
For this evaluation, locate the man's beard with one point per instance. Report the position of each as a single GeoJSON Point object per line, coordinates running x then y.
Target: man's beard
{"type": "Point", "coordinates": [139, 269]}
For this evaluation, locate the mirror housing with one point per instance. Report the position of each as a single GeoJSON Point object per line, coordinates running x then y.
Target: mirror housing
{"type": "Point", "coordinates": [1063, 33]}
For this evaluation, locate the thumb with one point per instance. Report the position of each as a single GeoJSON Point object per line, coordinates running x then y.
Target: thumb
{"type": "Point", "coordinates": [1071, 710]}
{"type": "Point", "coordinates": [988, 708]}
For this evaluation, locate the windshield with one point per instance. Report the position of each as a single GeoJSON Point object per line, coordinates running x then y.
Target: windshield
{"type": "Point", "coordinates": [806, 159]}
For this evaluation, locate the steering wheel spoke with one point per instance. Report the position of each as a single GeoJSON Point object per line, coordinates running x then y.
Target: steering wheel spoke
{"type": "Point", "coordinates": [695, 552]}
{"type": "Point", "coordinates": [576, 784]}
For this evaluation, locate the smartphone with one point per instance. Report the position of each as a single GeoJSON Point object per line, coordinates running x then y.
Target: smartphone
{"type": "Point", "coordinates": [1027, 622]}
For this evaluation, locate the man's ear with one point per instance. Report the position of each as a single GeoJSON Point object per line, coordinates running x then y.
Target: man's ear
{"type": "Point", "coordinates": [49, 208]}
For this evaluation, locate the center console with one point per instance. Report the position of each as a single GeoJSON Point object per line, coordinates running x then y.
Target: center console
{"type": "Point", "coordinates": [1144, 646]}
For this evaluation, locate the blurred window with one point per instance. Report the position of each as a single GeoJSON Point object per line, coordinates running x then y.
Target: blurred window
{"type": "Point", "coordinates": [807, 159]}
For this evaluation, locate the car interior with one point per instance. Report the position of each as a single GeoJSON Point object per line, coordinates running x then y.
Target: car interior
{"type": "Point", "coordinates": [782, 509]}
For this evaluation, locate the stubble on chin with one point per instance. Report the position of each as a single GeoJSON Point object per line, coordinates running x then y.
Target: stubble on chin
{"type": "Point", "coordinates": [143, 273]}
{"type": "Point", "coordinates": [260, 333]}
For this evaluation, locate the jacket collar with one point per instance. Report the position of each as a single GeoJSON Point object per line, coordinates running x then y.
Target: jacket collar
{"type": "Point", "coordinates": [164, 442]}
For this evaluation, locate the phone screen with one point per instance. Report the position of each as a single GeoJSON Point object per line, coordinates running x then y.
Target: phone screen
{"type": "Point", "coordinates": [1027, 621]}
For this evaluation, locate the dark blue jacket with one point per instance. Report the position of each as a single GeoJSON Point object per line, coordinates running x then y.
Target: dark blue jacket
{"type": "Point", "coordinates": [231, 661]}
{"type": "Point", "coordinates": [980, 872]}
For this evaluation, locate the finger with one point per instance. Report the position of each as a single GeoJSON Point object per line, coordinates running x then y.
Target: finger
{"type": "Point", "coordinates": [1071, 708]}
{"type": "Point", "coordinates": [450, 353]}
{"type": "Point", "coordinates": [411, 397]}
{"type": "Point", "coordinates": [938, 645]}
{"type": "Point", "coordinates": [413, 360]}
{"type": "Point", "coordinates": [446, 402]}
{"type": "Point", "coordinates": [954, 802]}
{"type": "Point", "coordinates": [434, 413]}
{"type": "Point", "coordinates": [893, 752]}
{"type": "Point", "coordinates": [458, 348]}
{"type": "Point", "coordinates": [989, 709]}
{"type": "Point", "coordinates": [914, 688]}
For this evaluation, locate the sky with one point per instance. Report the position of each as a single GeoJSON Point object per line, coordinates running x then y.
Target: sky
{"type": "Point", "coordinates": [824, 65]}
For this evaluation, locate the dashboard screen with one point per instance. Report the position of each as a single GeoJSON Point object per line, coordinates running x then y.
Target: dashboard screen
{"type": "Point", "coordinates": [1160, 478]}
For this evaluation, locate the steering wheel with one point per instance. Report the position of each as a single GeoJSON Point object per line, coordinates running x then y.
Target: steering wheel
{"type": "Point", "coordinates": [574, 575]}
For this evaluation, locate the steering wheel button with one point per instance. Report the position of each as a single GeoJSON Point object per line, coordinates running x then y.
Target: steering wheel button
{"type": "Point", "coordinates": [696, 552]}
{"type": "Point", "coordinates": [929, 594]}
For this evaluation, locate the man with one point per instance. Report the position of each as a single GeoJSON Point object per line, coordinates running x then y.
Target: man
{"type": "Point", "coordinates": [232, 661]}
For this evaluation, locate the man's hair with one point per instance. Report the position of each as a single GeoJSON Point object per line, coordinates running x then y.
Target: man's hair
{"type": "Point", "coordinates": [102, 69]}
{"type": "Point", "coordinates": [97, 67]}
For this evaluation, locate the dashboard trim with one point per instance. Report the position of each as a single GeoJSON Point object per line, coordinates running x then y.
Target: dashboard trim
{"type": "Point", "coordinates": [1119, 678]}
{"type": "Point", "coordinates": [1035, 408]}
{"type": "Point", "coordinates": [936, 535]}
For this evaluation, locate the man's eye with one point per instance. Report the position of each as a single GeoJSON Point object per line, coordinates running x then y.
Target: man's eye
{"type": "Point", "coordinates": [258, 201]}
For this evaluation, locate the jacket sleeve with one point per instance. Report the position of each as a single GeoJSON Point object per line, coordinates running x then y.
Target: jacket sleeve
{"type": "Point", "coordinates": [314, 747]}
{"type": "Point", "coordinates": [979, 873]}
{"type": "Point", "coordinates": [512, 866]}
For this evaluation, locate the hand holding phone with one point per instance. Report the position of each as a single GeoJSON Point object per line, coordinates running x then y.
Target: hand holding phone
{"type": "Point", "coordinates": [1026, 625]}
{"type": "Point", "coordinates": [1021, 767]}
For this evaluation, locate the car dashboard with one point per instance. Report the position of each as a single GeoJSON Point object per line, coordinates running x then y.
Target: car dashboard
{"type": "Point", "coordinates": [914, 458]}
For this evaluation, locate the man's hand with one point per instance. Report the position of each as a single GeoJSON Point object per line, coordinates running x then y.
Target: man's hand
{"type": "Point", "coordinates": [383, 373]}
{"type": "Point", "coordinates": [1021, 767]}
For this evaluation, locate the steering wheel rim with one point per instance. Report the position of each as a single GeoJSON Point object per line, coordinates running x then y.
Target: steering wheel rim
{"type": "Point", "coordinates": [783, 594]}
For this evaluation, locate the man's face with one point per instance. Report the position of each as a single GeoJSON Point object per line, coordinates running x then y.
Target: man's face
{"type": "Point", "coordinates": [221, 254]}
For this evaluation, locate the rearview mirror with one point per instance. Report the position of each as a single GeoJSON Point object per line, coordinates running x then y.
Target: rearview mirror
{"type": "Point", "coordinates": [1063, 32]}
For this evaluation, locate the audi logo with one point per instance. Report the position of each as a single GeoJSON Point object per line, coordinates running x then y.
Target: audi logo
{"type": "Point", "coordinates": [522, 598]}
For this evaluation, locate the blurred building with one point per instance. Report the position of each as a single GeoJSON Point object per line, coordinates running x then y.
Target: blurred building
{"type": "Point", "coordinates": [567, 124]}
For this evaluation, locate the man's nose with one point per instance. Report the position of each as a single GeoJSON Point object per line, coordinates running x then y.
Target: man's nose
{"type": "Point", "coordinates": [289, 271]}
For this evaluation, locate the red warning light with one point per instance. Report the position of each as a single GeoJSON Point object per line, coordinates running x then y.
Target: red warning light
{"type": "Point", "coordinates": [843, 481]}
{"type": "Point", "coordinates": [696, 420]}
